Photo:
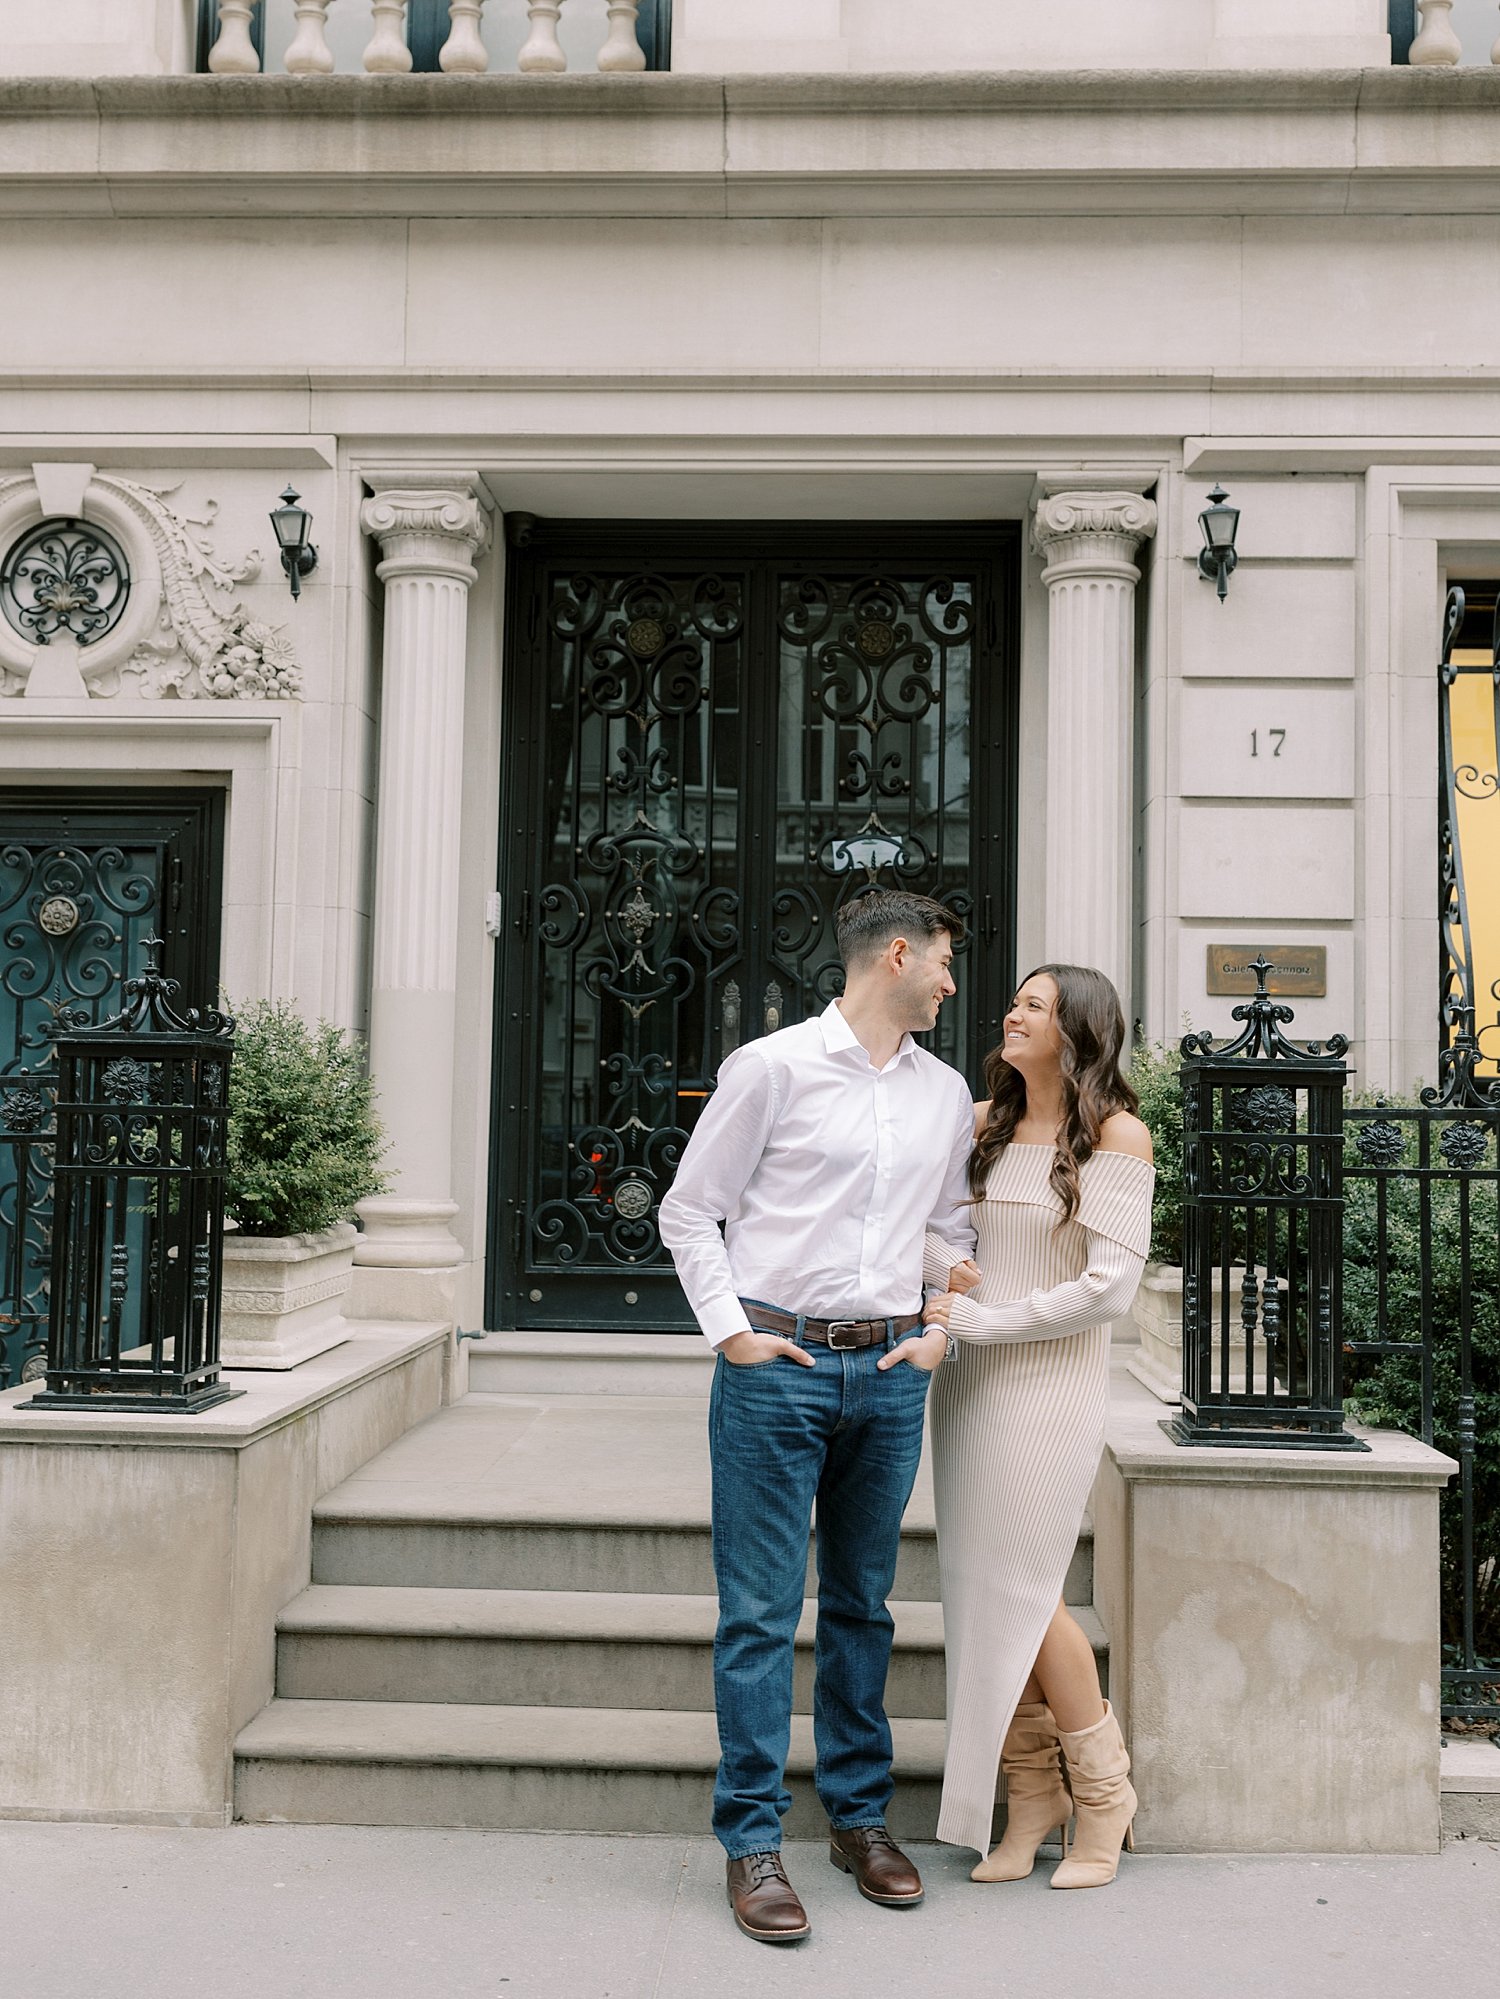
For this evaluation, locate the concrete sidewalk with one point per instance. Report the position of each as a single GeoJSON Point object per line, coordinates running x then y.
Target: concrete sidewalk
{"type": "Point", "coordinates": [313, 1912]}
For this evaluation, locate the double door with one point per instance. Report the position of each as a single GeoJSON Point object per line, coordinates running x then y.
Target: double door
{"type": "Point", "coordinates": [713, 738]}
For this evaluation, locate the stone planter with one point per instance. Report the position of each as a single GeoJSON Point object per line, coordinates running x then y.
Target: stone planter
{"type": "Point", "coordinates": [283, 1296]}
{"type": "Point", "coordinates": [1157, 1361]}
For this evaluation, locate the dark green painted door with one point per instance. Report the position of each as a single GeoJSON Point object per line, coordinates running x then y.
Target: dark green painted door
{"type": "Point", "coordinates": [85, 878]}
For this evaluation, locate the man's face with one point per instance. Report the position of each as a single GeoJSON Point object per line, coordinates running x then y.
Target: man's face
{"type": "Point", "coordinates": [924, 978]}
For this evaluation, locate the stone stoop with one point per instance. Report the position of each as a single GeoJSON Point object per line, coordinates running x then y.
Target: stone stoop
{"type": "Point", "coordinates": [510, 1624]}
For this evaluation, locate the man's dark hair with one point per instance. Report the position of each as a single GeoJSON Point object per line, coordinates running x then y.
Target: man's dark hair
{"type": "Point", "coordinates": [867, 923]}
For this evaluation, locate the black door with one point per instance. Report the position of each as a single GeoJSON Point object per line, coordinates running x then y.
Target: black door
{"type": "Point", "coordinates": [713, 737]}
{"type": "Point", "coordinates": [85, 878]}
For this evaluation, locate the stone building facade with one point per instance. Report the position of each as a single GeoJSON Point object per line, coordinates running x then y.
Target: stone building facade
{"type": "Point", "coordinates": [834, 314]}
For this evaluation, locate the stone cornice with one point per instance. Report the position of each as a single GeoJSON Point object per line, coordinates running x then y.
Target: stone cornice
{"type": "Point", "coordinates": [1191, 142]}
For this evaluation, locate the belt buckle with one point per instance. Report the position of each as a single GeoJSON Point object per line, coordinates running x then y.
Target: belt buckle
{"type": "Point", "coordinates": [837, 1326]}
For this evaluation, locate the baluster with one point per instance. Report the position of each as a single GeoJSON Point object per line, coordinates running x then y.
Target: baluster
{"type": "Point", "coordinates": [621, 49]}
{"type": "Point", "coordinates": [464, 52]}
{"type": "Point", "coordinates": [233, 54]}
{"type": "Point", "coordinates": [309, 53]}
{"type": "Point", "coordinates": [542, 51]}
{"type": "Point", "coordinates": [1437, 45]}
{"type": "Point", "coordinates": [387, 53]}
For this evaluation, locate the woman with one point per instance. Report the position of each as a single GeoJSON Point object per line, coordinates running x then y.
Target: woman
{"type": "Point", "coordinates": [1061, 1182]}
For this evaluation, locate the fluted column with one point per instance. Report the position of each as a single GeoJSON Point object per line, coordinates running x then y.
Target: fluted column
{"type": "Point", "coordinates": [429, 532]}
{"type": "Point", "coordinates": [1088, 540]}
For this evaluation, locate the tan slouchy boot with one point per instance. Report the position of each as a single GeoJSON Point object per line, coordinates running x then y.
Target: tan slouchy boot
{"type": "Point", "coordinates": [1099, 1774]}
{"type": "Point", "coordinates": [1036, 1797]}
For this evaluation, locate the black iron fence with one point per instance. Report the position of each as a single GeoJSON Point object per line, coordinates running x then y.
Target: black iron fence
{"type": "Point", "coordinates": [1421, 1324]}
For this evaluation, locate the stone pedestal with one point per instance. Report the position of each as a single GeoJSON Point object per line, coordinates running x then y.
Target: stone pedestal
{"type": "Point", "coordinates": [1088, 540]}
{"type": "Point", "coordinates": [143, 1562]}
{"type": "Point", "coordinates": [430, 527]}
{"type": "Point", "coordinates": [1273, 1624]}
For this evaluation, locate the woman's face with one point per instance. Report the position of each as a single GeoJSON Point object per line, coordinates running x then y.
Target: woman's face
{"type": "Point", "coordinates": [1030, 1035]}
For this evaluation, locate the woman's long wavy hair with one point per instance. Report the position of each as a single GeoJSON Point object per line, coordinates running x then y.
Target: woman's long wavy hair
{"type": "Point", "coordinates": [1092, 1029]}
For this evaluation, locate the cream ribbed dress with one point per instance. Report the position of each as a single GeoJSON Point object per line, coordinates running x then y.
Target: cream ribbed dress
{"type": "Point", "coordinates": [1017, 1431]}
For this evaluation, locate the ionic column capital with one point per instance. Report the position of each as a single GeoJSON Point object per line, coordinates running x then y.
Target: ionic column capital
{"type": "Point", "coordinates": [1092, 533]}
{"type": "Point", "coordinates": [432, 525]}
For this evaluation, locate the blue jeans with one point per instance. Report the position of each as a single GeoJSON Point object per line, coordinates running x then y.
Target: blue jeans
{"type": "Point", "coordinates": [782, 1436]}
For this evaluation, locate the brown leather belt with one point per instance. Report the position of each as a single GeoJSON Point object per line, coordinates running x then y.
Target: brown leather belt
{"type": "Point", "coordinates": [840, 1334]}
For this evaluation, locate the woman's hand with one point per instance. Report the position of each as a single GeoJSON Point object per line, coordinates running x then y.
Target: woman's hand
{"type": "Point", "coordinates": [937, 1311]}
{"type": "Point", "coordinates": [926, 1352]}
{"type": "Point", "coordinates": [965, 1277]}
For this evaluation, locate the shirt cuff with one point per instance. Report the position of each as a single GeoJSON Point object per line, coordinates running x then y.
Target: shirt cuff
{"type": "Point", "coordinates": [721, 1318]}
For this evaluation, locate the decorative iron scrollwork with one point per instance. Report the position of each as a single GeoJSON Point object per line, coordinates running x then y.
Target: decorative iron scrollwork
{"type": "Point", "coordinates": [1464, 1145]}
{"type": "Point", "coordinates": [1380, 1143]}
{"type": "Point", "coordinates": [64, 576]}
{"type": "Point", "coordinates": [1458, 1085]}
{"type": "Point", "coordinates": [723, 754]}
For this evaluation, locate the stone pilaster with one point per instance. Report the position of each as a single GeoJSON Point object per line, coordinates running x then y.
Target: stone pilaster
{"type": "Point", "coordinates": [430, 527]}
{"type": "Point", "coordinates": [1088, 541]}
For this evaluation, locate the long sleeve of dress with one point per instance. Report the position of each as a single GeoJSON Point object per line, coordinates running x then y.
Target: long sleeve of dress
{"type": "Point", "coordinates": [1104, 1291]}
{"type": "Point", "coordinates": [950, 1227]}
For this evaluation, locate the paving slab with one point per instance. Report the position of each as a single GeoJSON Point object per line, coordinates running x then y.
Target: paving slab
{"type": "Point", "coordinates": [334, 1912]}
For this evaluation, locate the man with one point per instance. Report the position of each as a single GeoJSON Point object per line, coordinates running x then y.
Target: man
{"type": "Point", "coordinates": [828, 1150]}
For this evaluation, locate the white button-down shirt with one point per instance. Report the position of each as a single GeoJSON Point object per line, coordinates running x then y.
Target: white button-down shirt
{"type": "Point", "coordinates": [826, 1174]}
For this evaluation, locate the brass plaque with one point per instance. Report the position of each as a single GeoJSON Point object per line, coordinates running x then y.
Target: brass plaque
{"type": "Point", "coordinates": [1298, 971]}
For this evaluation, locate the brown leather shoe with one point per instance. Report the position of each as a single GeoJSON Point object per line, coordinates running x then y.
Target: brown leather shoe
{"type": "Point", "coordinates": [764, 1902]}
{"type": "Point", "coordinates": [881, 1870]}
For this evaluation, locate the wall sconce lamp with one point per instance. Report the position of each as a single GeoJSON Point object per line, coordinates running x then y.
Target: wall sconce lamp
{"type": "Point", "coordinates": [1220, 525]}
{"type": "Point", "coordinates": [298, 556]}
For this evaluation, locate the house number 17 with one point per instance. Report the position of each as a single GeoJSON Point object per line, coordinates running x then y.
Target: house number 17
{"type": "Point", "coordinates": [1277, 736]}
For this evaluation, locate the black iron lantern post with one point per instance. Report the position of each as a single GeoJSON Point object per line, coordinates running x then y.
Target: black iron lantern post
{"type": "Point", "coordinates": [1217, 559]}
{"type": "Point", "coordinates": [292, 523]}
{"type": "Point", "coordinates": [138, 1206]}
{"type": "Point", "coordinates": [1263, 1203]}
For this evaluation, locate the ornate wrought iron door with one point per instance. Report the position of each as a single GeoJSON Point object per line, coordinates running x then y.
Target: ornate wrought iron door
{"type": "Point", "coordinates": [715, 737]}
{"type": "Point", "coordinates": [84, 880]}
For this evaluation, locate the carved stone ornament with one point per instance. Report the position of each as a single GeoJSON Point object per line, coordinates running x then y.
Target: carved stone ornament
{"type": "Point", "coordinates": [201, 642]}
{"type": "Point", "coordinates": [427, 530]}
{"type": "Point", "coordinates": [1089, 530]}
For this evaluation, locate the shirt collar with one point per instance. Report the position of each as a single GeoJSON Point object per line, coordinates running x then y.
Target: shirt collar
{"type": "Point", "coordinates": [839, 1036]}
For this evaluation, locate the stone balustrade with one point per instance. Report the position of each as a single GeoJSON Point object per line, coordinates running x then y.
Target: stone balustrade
{"type": "Point", "coordinates": [311, 51]}
{"type": "Point", "coordinates": [1437, 44]}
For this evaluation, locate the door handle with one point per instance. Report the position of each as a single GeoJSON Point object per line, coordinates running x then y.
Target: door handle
{"type": "Point", "coordinates": [772, 1007]}
{"type": "Point", "coordinates": [729, 1020]}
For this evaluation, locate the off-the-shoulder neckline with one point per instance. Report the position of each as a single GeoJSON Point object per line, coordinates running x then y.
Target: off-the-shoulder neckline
{"type": "Point", "coordinates": [1101, 1152]}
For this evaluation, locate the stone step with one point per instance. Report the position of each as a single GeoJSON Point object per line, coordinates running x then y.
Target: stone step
{"type": "Point", "coordinates": [415, 1548]}
{"type": "Point", "coordinates": [564, 1492]}
{"type": "Point", "coordinates": [591, 1364]}
{"type": "Point", "coordinates": [559, 1648]}
{"type": "Point", "coordinates": [527, 1768]}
